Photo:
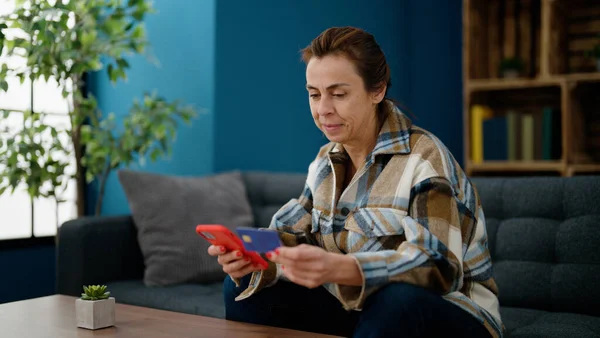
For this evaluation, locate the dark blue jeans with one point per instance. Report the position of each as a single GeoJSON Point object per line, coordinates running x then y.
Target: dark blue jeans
{"type": "Point", "coordinates": [396, 310]}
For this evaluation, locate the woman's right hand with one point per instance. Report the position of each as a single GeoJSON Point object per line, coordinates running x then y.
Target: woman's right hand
{"type": "Point", "coordinates": [233, 262]}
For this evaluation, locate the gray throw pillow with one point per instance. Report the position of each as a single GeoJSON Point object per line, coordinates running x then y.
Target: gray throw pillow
{"type": "Point", "coordinates": [166, 210]}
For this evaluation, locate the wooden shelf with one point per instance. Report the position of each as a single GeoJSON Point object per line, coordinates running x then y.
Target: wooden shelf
{"type": "Point", "coordinates": [503, 84]}
{"type": "Point", "coordinates": [551, 81]}
{"type": "Point", "coordinates": [488, 166]}
{"type": "Point", "coordinates": [533, 166]}
{"type": "Point", "coordinates": [558, 86]}
{"type": "Point", "coordinates": [584, 168]}
{"type": "Point", "coordinates": [582, 77]}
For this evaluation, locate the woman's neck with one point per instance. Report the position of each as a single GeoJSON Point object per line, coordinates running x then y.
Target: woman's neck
{"type": "Point", "coordinates": [363, 146]}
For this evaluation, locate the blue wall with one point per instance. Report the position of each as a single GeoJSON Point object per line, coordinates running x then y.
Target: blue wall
{"type": "Point", "coordinates": [182, 36]}
{"type": "Point", "coordinates": [262, 119]}
{"type": "Point", "coordinates": [240, 60]}
{"type": "Point", "coordinates": [27, 273]}
{"type": "Point", "coordinates": [434, 48]}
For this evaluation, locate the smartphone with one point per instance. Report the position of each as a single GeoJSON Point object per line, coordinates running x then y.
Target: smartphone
{"type": "Point", "coordinates": [219, 235]}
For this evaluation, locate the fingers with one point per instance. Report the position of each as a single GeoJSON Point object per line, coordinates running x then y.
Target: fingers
{"type": "Point", "coordinates": [215, 250]}
{"type": "Point", "coordinates": [229, 257]}
{"type": "Point", "coordinates": [244, 271]}
{"type": "Point", "coordinates": [236, 265]}
{"type": "Point", "coordinates": [302, 268]}
{"type": "Point", "coordinates": [276, 256]}
{"type": "Point", "coordinates": [293, 253]}
{"type": "Point", "coordinates": [306, 279]}
{"type": "Point", "coordinates": [240, 267]}
{"type": "Point", "coordinates": [302, 254]}
{"type": "Point", "coordinates": [234, 262]}
{"type": "Point", "coordinates": [306, 266]}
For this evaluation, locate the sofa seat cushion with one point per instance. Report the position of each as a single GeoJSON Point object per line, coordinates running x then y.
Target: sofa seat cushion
{"type": "Point", "coordinates": [198, 299]}
{"type": "Point", "coordinates": [523, 323]}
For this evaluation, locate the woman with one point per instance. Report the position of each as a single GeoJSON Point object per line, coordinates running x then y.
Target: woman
{"type": "Point", "coordinates": [394, 237]}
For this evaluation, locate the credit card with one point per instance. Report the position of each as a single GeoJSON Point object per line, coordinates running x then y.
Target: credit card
{"type": "Point", "coordinates": [261, 241]}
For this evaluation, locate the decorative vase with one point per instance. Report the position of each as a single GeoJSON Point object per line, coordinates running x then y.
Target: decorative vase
{"type": "Point", "coordinates": [95, 314]}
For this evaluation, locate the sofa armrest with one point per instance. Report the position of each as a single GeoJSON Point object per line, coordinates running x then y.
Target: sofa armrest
{"type": "Point", "coordinates": [97, 250]}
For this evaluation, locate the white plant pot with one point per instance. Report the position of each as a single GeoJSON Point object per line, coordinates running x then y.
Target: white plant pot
{"type": "Point", "coordinates": [95, 314]}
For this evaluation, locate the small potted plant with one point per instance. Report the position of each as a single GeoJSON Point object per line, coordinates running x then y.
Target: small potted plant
{"type": "Point", "coordinates": [511, 68]}
{"type": "Point", "coordinates": [95, 309]}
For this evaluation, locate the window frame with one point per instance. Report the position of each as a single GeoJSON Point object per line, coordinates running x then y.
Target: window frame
{"type": "Point", "coordinates": [33, 240]}
{"type": "Point", "coordinates": [44, 240]}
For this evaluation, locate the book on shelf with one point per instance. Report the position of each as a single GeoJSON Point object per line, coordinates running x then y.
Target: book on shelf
{"type": "Point", "coordinates": [538, 139]}
{"type": "Point", "coordinates": [527, 137]}
{"type": "Point", "coordinates": [550, 127]}
{"type": "Point", "coordinates": [514, 135]}
{"type": "Point", "coordinates": [479, 113]}
{"type": "Point", "coordinates": [513, 124]}
{"type": "Point", "coordinates": [495, 139]}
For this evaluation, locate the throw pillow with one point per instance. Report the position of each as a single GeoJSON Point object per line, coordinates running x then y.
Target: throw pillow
{"type": "Point", "coordinates": [166, 210]}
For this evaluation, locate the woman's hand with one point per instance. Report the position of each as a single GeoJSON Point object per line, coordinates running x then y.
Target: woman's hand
{"type": "Point", "coordinates": [306, 265]}
{"type": "Point", "coordinates": [234, 263]}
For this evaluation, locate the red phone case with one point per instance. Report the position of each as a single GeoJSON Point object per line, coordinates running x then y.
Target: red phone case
{"type": "Point", "coordinates": [224, 237]}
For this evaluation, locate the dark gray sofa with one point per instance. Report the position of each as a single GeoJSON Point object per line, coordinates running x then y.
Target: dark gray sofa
{"type": "Point", "coordinates": [544, 237]}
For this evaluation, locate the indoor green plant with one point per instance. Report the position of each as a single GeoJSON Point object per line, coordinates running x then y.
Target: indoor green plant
{"type": "Point", "coordinates": [66, 40]}
{"type": "Point", "coordinates": [95, 309]}
{"type": "Point", "coordinates": [512, 67]}
{"type": "Point", "coordinates": [95, 292]}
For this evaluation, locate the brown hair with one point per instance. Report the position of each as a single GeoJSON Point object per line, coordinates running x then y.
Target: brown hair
{"type": "Point", "coordinates": [363, 51]}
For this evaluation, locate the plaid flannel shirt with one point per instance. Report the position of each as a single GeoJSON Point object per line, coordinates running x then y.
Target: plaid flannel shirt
{"type": "Point", "coordinates": [410, 214]}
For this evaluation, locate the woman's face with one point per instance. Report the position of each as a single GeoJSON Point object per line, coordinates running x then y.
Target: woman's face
{"type": "Point", "coordinates": [341, 107]}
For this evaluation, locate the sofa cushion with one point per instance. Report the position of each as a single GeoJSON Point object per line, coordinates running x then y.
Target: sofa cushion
{"type": "Point", "coordinates": [198, 299]}
{"type": "Point", "coordinates": [524, 323]}
{"type": "Point", "coordinates": [268, 192]}
{"type": "Point", "coordinates": [546, 231]}
{"type": "Point", "coordinates": [166, 210]}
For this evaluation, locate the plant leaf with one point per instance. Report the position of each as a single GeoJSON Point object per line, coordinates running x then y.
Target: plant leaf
{"type": "Point", "coordinates": [122, 63]}
{"type": "Point", "coordinates": [138, 32]}
{"type": "Point", "coordinates": [88, 38]}
{"type": "Point", "coordinates": [111, 73]}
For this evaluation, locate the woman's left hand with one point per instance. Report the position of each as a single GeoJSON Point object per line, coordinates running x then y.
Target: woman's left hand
{"type": "Point", "coordinates": [306, 265]}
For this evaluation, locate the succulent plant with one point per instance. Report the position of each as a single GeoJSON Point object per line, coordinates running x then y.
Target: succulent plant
{"type": "Point", "coordinates": [95, 292]}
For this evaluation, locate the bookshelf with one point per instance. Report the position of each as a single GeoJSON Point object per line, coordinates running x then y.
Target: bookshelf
{"type": "Point", "coordinates": [520, 166]}
{"type": "Point", "coordinates": [548, 114]}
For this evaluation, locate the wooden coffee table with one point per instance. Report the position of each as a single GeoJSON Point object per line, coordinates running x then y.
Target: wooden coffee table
{"type": "Point", "coordinates": [54, 316]}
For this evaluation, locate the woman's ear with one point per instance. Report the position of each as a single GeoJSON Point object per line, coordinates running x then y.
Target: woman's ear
{"type": "Point", "coordinates": [378, 95]}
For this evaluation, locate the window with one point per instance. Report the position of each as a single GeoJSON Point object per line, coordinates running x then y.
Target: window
{"type": "Point", "coordinates": [20, 217]}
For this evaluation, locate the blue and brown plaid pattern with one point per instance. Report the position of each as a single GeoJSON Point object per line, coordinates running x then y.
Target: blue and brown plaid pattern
{"type": "Point", "coordinates": [409, 215]}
